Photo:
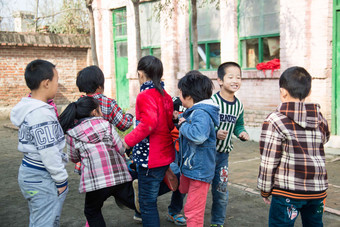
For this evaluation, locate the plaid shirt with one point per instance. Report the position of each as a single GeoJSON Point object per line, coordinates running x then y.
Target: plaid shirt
{"type": "Point", "coordinates": [96, 144]}
{"type": "Point", "coordinates": [292, 152]}
{"type": "Point", "coordinates": [113, 113]}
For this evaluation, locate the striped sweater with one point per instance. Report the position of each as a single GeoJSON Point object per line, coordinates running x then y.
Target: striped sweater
{"type": "Point", "coordinates": [231, 120]}
{"type": "Point", "coordinates": [292, 152]}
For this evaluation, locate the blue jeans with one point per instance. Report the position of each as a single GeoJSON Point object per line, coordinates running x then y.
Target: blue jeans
{"type": "Point", "coordinates": [41, 193]}
{"type": "Point", "coordinates": [284, 211]}
{"type": "Point", "coordinates": [149, 181]}
{"type": "Point", "coordinates": [176, 204]}
{"type": "Point", "coordinates": [220, 193]}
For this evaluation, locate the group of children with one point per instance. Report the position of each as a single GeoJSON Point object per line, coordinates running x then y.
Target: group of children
{"type": "Point", "coordinates": [292, 166]}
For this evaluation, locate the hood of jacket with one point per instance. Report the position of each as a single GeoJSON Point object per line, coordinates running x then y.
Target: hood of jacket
{"type": "Point", "coordinates": [90, 130]}
{"type": "Point", "coordinates": [25, 107]}
{"type": "Point", "coordinates": [304, 114]}
{"type": "Point", "coordinates": [208, 106]}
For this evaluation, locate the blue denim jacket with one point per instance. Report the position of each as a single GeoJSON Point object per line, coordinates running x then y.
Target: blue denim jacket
{"type": "Point", "coordinates": [198, 141]}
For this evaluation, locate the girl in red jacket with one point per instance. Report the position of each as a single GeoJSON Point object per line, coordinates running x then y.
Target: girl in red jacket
{"type": "Point", "coordinates": [153, 146]}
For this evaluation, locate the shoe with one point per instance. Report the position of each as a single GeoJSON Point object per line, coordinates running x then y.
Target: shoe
{"type": "Point", "coordinates": [135, 190]}
{"type": "Point", "coordinates": [178, 219]}
{"type": "Point", "coordinates": [216, 225]}
{"type": "Point", "coordinates": [137, 217]}
{"type": "Point", "coordinates": [87, 224]}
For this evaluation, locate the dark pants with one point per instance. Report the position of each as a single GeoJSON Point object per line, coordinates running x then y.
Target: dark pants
{"type": "Point", "coordinates": [284, 211]}
{"type": "Point", "coordinates": [94, 201]}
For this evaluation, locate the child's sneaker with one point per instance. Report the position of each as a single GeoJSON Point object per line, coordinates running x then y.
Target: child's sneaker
{"type": "Point", "coordinates": [178, 219]}
{"type": "Point", "coordinates": [137, 217]}
{"type": "Point", "coordinates": [135, 189]}
{"type": "Point", "coordinates": [216, 225]}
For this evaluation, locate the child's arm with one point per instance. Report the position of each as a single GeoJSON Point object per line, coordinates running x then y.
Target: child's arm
{"type": "Point", "coordinates": [148, 111]}
{"type": "Point", "coordinates": [118, 118]}
{"type": "Point", "coordinates": [271, 151]}
{"type": "Point", "coordinates": [116, 141]}
{"type": "Point", "coordinates": [71, 151]}
{"type": "Point", "coordinates": [47, 135]}
{"type": "Point", "coordinates": [324, 129]}
{"type": "Point", "coordinates": [239, 129]}
{"type": "Point", "coordinates": [198, 130]}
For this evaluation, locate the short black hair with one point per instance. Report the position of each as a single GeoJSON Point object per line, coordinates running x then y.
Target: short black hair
{"type": "Point", "coordinates": [297, 81]}
{"type": "Point", "coordinates": [89, 79]}
{"type": "Point", "coordinates": [36, 71]}
{"type": "Point", "coordinates": [196, 85]}
{"type": "Point", "coordinates": [221, 71]}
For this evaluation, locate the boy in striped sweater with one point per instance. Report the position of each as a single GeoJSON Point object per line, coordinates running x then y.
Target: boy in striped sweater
{"type": "Point", "coordinates": [292, 166]}
{"type": "Point", "coordinates": [231, 121]}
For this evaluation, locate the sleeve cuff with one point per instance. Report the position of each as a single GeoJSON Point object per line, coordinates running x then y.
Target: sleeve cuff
{"type": "Point", "coordinates": [265, 194]}
{"type": "Point", "coordinates": [61, 184]}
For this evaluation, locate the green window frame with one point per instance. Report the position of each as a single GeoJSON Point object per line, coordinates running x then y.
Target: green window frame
{"type": "Point", "coordinates": [213, 59]}
{"type": "Point", "coordinates": [263, 43]}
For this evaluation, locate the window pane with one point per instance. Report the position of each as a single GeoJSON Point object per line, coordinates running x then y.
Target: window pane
{"type": "Point", "coordinates": [149, 26]}
{"type": "Point", "coordinates": [202, 57]}
{"type": "Point", "coordinates": [259, 17]}
{"type": "Point", "coordinates": [215, 55]}
{"type": "Point", "coordinates": [121, 49]}
{"type": "Point", "coordinates": [208, 21]}
{"type": "Point", "coordinates": [156, 52]}
{"type": "Point", "coordinates": [121, 30]}
{"type": "Point", "coordinates": [271, 48]}
{"type": "Point", "coordinates": [121, 17]}
{"type": "Point", "coordinates": [250, 55]}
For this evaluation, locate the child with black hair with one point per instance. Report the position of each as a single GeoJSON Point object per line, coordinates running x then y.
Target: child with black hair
{"type": "Point", "coordinates": [292, 167]}
{"type": "Point", "coordinates": [42, 175]}
{"type": "Point", "coordinates": [95, 143]}
{"type": "Point", "coordinates": [91, 81]}
{"type": "Point", "coordinates": [153, 149]}
{"type": "Point", "coordinates": [197, 143]}
{"type": "Point", "coordinates": [231, 122]}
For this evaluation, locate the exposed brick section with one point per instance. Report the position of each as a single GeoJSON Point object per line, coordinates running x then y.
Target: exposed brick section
{"type": "Point", "coordinates": [14, 58]}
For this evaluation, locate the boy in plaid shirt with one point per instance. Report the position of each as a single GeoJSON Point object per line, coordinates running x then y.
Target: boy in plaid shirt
{"type": "Point", "coordinates": [292, 167]}
{"type": "Point", "coordinates": [91, 81]}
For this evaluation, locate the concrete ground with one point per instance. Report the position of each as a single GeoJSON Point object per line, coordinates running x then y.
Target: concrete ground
{"type": "Point", "coordinates": [245, 208]}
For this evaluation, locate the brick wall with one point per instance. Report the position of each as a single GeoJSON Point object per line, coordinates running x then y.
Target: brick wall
{"type": "Point", "coordinates": [14, 56]}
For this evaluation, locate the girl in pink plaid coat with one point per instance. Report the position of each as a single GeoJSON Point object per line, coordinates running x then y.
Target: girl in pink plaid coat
{"type": "Point", "coordinates": [94, 142]}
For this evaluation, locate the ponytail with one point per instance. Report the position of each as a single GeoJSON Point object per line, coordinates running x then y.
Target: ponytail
{"type": "Point", "coordinates": [68, 116]}
{"type": "Point", "coordinates": [153, 68]}
{"type": "Point", "coordinates": [76, 111]}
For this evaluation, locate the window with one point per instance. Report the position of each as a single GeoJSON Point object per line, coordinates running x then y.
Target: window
{"type": "Point", "coordinates": [150, 30]}
{"type": "Point", "coordinates": [259, 31]}
{"type": "Point", "coordinates": [208, 30]}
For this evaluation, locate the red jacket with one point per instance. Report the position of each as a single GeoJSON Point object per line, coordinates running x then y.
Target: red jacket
{"type": "Point", "coordinates": [154, 112]}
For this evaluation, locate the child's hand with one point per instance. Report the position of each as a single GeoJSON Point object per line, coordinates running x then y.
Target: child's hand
{"type": "Point", "coordinates": [243, 136]}
{"type": "Point", "coordinates": [222, 134]}
{"type": "Point", "coordinates": [181, 120]}
{"type": "Point", "coordinates": [175, 115]}
{"type": "Point", "coordinates": [125, 145]}
{"type": "Point", "coordinates": [61, 190]}
{"type": "Point", "coordinates": [266, 201]}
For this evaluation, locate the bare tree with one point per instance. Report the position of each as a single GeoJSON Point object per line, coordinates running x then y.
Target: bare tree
{"type": "Point", "coordinates": [194, 34]}
{"type": "Point", "coordinates": [137, 27]}
{"type": "Point", "coordinates": [92, 32]}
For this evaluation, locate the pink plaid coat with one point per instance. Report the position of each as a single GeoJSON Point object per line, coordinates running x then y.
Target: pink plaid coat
{"type": "Point", "coordinates": [95, 143]}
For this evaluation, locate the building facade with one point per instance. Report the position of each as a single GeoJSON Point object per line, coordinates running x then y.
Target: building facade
{"type": "Point", "coordinates": [298, 33]}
